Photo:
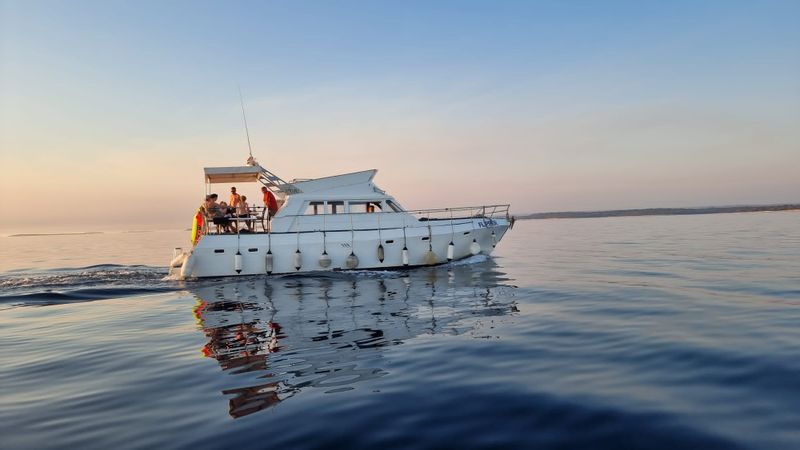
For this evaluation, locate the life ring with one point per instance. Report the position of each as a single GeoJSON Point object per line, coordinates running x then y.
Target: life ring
{"type": "Point", "coordinates": [197, 228]}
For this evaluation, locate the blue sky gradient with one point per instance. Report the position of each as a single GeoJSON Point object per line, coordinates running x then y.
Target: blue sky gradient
{"type": "Point", "coordinates": [550, 105]}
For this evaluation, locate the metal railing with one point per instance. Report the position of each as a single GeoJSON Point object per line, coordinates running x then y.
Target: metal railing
{"type": "Point", "coordinates": [270, 180]}
{"type": "Point", "coordinates": [464, 212]}
{"type": "Point", "coordinates": [259, 220]}
{"type": "Point", "coordinates": [257, 217]}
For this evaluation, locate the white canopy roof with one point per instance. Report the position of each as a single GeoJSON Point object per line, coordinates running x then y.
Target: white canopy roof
{"type": "Point", "coordinates": [238, 174]}
{"type": "Point", "coordinates": [348, 183]}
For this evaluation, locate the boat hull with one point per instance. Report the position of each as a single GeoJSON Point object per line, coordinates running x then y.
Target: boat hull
{"type": "Point", "coordinates": [427, 244]}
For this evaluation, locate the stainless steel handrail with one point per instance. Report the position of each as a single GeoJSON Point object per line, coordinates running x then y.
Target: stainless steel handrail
{"type": "Point", "coordinates": [475, 211]}
{"type": "Point", "coordinates": [472, 211]}
{"type": "Point", "coordinates": [483, 211]}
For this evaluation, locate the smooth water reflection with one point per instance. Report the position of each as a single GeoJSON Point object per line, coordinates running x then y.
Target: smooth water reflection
{"type": "Point", "coordinates": [278, 336]}
{"type": "Point", "coordinates": [671, 332]}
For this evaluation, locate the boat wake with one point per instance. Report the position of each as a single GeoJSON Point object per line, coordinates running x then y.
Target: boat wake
{"type": "Point", "coordinates": [95, 282]}
{"type": "Point", "coordinates": [106, 281]}
{"type": "Point", "coordinates": [474, 259]}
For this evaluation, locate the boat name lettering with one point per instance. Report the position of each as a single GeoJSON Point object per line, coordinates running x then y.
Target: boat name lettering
{"type": "Point", "coordinates": [486, 223]}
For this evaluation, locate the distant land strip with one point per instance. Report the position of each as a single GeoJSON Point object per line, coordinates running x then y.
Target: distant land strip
{"type": "Point", "coordinates": [55, 234]}
{"type": "Point", "coordinates": [660, 211]}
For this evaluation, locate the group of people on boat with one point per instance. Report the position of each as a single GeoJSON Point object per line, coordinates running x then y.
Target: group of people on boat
{"type": "Point", "coordinates": [227, 215]}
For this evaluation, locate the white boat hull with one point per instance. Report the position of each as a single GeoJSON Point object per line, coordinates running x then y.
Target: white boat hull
{"type": "Point", "coordinates": [427, 244]}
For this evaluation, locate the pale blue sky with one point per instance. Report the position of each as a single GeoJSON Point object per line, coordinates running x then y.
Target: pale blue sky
{"type": "Point", "coordinates": [555, 105]}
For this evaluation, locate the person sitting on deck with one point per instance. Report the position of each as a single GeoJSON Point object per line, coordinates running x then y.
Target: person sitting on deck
{"type": "Point", "coordinates": [243, 211]}
{"type": "Point", "coordinates": [211, 205]}
{"type": "Point", "coordinates": [216, 212]}
{"type": "Point", "coordinates": [228, 213]}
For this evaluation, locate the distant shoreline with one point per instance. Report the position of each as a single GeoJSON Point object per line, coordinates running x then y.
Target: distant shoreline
{"type": "Point", "coordinates": [660, 211]}
{"type": "Point", "coordinates": [55, 234]}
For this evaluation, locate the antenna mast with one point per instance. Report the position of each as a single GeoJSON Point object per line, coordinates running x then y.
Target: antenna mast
{"type": "Point", "coordinates": [246, 131]}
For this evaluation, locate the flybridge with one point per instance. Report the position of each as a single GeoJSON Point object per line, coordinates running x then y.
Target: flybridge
{"type": "Point", "coordinates": [354, 183]}
{"type": "Point", "coordinates": [249, 174]}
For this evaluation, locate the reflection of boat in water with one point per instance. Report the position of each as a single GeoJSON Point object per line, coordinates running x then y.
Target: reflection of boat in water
{"type": "Point", "coordinates": [281, 335]}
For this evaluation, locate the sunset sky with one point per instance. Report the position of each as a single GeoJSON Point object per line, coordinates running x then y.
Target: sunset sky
{"type": "Point", "coordinates": [111, 109]}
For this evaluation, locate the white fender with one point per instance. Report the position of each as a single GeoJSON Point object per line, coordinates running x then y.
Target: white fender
{"type": "Point", "coordinates": [450, 251]}
{"type": "Point", "coordinates": [352, 261]}
{"type": "Point", "coordinates": [268, 262]}
{"type": "Point", "coordinates": [324, 260]}
{"type": "Point", "coordinates": [298, 260]}
{"type": "Point", "coordinates": [237, 262]}
{"type": "Point", "coordinates": [381, 253]}
{"type": "Point", "coordinates": [430, 258]}
{"type": "Point", "coordinates": [474, 248]}
{"type": "Point", "coordinates": [405, 256]}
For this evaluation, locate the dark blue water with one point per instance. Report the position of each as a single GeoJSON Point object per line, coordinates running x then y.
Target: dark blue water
{"type": "Point", "coordinates": [654, 332]}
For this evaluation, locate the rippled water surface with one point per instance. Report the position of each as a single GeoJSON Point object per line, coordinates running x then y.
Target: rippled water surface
{"type": "Point", "coordinates": [648, 332]}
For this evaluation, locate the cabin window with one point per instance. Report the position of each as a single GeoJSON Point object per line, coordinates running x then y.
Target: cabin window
{"type": "Point", "coordinates": [365, 207]}
{"type": "Point", "coordinates": [394, 206]}
{"type": "Point", "coordinates": [315, 208]}
{"type": "Point", "coordinates": [334, 208]}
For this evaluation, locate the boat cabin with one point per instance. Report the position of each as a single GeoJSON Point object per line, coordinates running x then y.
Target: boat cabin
{"type": "Point", "coordinates": [346, 202]}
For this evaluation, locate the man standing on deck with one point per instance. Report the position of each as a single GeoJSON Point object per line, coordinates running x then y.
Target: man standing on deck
{"type": "Point", "coordinates": [269, 202]}
{"type": "Point", "coordinates": [235, 198]}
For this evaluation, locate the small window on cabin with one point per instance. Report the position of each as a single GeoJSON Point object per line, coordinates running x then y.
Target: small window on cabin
{"type": "Point", "coordinates": [335, 208]}
{"type": "Point", "coordinates": [315, 208]}
{"type": "Point", "coordinates": [394, 206]}
{"type": "Point", "coordinates": [365, 207]}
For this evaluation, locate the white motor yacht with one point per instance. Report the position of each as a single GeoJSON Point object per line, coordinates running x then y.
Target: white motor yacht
{"type": "Point", "coordinates": [341, 222]}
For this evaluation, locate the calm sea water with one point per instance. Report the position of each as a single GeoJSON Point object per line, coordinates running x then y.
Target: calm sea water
{"type": "Point", "coordinates": [649, 332]}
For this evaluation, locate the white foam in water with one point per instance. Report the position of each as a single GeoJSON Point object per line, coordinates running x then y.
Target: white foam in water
{"type": "Point", "coordinates": [73, 280]}
{"type": "Point", "coordinates": [475, 259]}
{"type": "Point", "coordinates": [175, 276]}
